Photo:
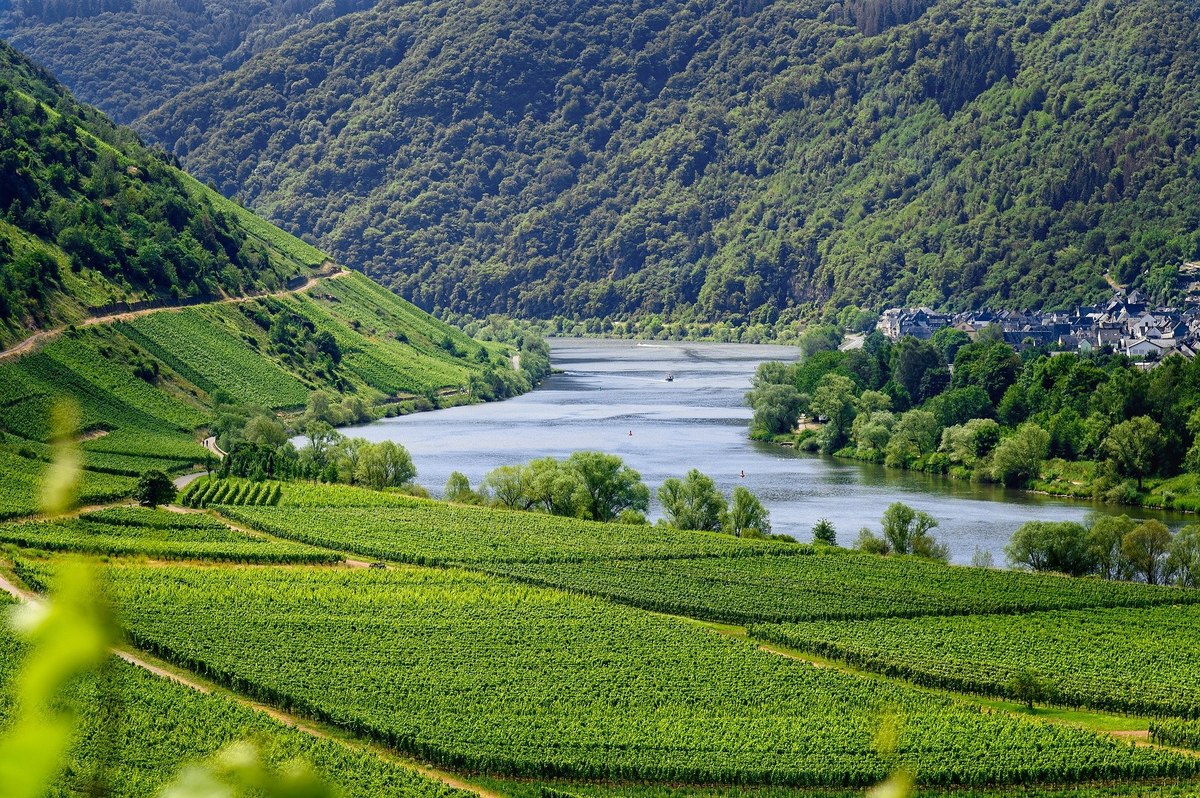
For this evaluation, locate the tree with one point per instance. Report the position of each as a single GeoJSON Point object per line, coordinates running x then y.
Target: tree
{"type": "Point", "coordinates": [319, 407]}
{"type": "Point", "coordinates": [321, 449]}
{"type": "Point", "coordinates": [823, 532]}
{"type": "Point", "coordinates": [833, 400]}
{"type": "Point", "coordinates": [458, 489]}
{"type": "Point", "coordinates": [1183, 561]}
{"type": "Point", "coordinates": [1192, 460]}
{"type": "Point", "coordinates": [1145, 548]}
{"type": "Point", "coordinates": [915, 434]}
{"type": "Point", "coordinates": [992, 365]}
{"type": "Point", "coordinates": [348, 454]}
{"type": "Point", "coordinates": [556, 487]}
{"type": "Point", "coordinates": [693, 502]}
{"type": "Point", "coordinates": [1133, 446]}
{"type": "Point", "coordinates": [265, 430]}
{"type": "Point", "coordinates": [776, 407]}
{"type": "Point", "coordinates": [912, 361]}
{"type": "Point", "coordinates": [902, 526]}
{"type": "Point", "coordinates": [154, 488]}
{"type": "Point", "coordinates": [1026, 687]}
{"type": "Point", "coordinates": [867, 541]}
{"type": "Point", "coordinates": [509, 486]}
{"type": "Point", "coordinates": [747, 517]}
{"type": "Point", "coordinates": [1104, 543]}
{"type": "Point", "coordinates": [948, 341]}
{"type": "Point", "coordinates": [610, 485]}
{"type": "Point", "coordinates": [1058, 546]}
{"type": "Point", "coordinates": [819, 338]}
{"type": "Point", "coordinates": [1018, 458]}
{"type": "Point", "coordinates": [385, 465]}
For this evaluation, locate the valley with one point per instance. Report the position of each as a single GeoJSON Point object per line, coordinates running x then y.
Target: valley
{"type": "Point", "coordinates": [314, 511]}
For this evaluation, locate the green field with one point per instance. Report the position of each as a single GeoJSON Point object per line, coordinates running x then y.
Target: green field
{"type": "Point", "coordinates": [21, 486]}
{"type": "Point", "coordinates": [422, 531]}
{"type": "Point", "coordinates": [156, 533]}
{"type": "Point", "coordinates": [234, 492]}
{"type": "Point", "coordinates": [482, 675]}
{"type": "Point", "coordinates": [836, 585]}
{"type": "Point", "coordinates": [1135, 660]}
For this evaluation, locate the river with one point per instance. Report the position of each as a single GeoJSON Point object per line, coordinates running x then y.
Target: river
{"type": "Point", "coordinates": [614, 396]}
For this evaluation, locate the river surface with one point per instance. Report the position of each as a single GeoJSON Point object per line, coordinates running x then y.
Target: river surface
{"type": "Point", "coordinates": [613, 396]}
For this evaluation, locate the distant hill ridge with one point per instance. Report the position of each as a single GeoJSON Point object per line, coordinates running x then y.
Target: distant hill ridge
{"type": "Point", "coordinates": [740, 161]}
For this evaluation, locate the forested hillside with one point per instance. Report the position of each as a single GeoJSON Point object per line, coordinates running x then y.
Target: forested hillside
{"type": "Point", "coordinates": [130, 56]}
{"type": "Point", "coordinates": [735, 161]}
{"type": "Point", "coordinates": [90, 218]}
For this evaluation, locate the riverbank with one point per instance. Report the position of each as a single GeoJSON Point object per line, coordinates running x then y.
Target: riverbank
{"type": "Point", "coordinates": [1083, 480]}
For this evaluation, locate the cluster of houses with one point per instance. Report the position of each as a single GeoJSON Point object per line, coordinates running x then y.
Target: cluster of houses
{"type": "Point", "coordinates": [1128, 324]}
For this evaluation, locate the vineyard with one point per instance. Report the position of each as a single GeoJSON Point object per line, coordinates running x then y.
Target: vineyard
{"type": "Point", "coordinates": [421, 366]}
{"type": "Point", "coordinates": [20, 488]}
{"type": "Point", "coordinates": [206, 346]}
{"type": "Point", "coordinates": [429, 532]}
{"type": "Point", "coordinates": [234, 492]}
{"type": "Point", "coordinates": [478, 674]}
{"type": "Point", "coordinates": [1132, 660]}
{"type": "Point", "coordinates": [833, 586]}
{"type": "Point", "coordinates": [1176, 732]}
{"type": "Point", "coordinates": [156, 533]}
{"type": "Point", "coordinates": [163, 725]}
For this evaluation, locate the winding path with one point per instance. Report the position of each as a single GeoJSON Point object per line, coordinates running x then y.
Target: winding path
{"type": "Point", "coordinates": [328, 272]}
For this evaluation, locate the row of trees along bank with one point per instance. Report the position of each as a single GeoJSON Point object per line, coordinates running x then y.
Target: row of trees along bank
{"type": "Point", "coordinates": [1093, 425]}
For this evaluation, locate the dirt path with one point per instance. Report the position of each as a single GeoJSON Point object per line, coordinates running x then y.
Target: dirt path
{"type": "Point", "coordinates": [38, 338]}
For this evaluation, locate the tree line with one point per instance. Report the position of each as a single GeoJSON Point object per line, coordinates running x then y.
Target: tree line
{"type": "Point", "coordinates": [601, 487]}
{"type": "Point", "coordinates": [1110, 547]}
{"type": "Point", "coordinates": [977, 409]}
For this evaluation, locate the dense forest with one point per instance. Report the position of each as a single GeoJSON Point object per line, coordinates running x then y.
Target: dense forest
{"type": "Point", "coordinates": [746, 162]}
{"type": "Point", "coordinates": [130, 56]}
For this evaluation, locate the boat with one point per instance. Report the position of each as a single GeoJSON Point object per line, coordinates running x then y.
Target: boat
{"type": "Point", "coordinates": [670, 377]}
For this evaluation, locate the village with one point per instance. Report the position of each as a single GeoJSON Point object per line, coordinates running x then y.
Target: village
{"type": "Point", "coordinates": [1129, 324]}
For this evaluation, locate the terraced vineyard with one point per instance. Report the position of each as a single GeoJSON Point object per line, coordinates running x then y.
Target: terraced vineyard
{"type": "Point", "coordinates": [163, 726]}
{"type": "Point", "coordinates": [834, 586]}
{"type": "Point", "coordinates": [479, 674]}
{"type": "Point", "coordinates": [1135, 660]}
{"type": "Point", "coordinates": [156, 533]}
{"type": "Point", "coordinates": [421, 531]}
{"type": "Point", "coordinates": [372, 353]}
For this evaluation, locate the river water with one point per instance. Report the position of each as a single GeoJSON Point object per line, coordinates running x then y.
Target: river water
{"type": "Point", "coordinates": [613, 396]}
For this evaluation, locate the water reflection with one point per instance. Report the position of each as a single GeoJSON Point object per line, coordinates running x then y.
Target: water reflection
{"type": "Point", "coordinates": [614, 396]}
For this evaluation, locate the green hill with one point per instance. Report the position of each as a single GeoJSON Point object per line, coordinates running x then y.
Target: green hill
{"type": "Point", "coordinates": [729, 161]}
{"type": "Point", "coordinates": [234, 315]}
